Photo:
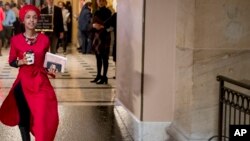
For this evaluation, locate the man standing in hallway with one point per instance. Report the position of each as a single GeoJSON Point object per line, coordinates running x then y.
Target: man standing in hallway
{"type": "Point", "coordinates": [64, 40]}
{"type": "Point", "coordinates": [57, 24]}
{"type": "Point", "coordinates": [10, 18]}
{"type": "Point", "coordinates": [84, 25]}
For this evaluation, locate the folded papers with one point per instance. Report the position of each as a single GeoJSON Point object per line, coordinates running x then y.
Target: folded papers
{"type": "Point", "coordinates": [53, 61]}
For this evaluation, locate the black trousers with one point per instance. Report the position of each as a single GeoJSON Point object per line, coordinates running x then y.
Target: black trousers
{"type": "Point", "coordinates": [53, 41]}
{"type": "Point", "coordinates": [23, 107]}
{"type": "Point", "coordinates": [102, 60]}
{"type": "Point", "coordinates": [63, 42]}
{"type": "Point", "coordinates": [84, 46]}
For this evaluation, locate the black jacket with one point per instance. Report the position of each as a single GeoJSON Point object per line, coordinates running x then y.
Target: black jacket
{"type": "Point", "coordinates": [57, 21]}
{"type": "Point", "coordinates": [84, 20]}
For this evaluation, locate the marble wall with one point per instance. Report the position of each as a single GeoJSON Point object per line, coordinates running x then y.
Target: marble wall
{"type": "Point", "coordinates": [208, 38]}
{"type": "Point", "coordinates": [185, 36]}
{"type": "Point", "coordinates": [212, 39]}
{"type": "Point", "coordinates": [129, 54]}
{"type": "Point", "coordinates": [152, 58]}
{"type": "Point", "coordinates": [159, 60]}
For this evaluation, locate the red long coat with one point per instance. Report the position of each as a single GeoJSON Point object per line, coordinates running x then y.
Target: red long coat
{"type": "Point", "coordinates": [37, 89]}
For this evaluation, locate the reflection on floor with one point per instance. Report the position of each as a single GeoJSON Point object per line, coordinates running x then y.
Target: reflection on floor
{"type": "Point", "coordinates": [86, 109]}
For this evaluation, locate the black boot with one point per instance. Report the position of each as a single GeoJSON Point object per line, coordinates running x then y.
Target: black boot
{"type": "Point", "coordinates": [25, 133]}
{"type": "Point", "coordinates": [98, 77]}
{"type": "Point", "coordinates": [104, 80]}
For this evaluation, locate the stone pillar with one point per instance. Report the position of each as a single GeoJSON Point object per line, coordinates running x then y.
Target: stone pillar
{"type": "Point", "coordinates": [146, 66]}
{"type": "Point", "coordinates": [212, 39]}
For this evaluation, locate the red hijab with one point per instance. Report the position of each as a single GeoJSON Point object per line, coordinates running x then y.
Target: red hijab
{"type": "Point", "coordinates": [25, 9]}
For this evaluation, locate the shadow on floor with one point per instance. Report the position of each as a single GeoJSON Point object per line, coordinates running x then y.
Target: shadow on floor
{"type": "Point", "coordinates": [88, 123]}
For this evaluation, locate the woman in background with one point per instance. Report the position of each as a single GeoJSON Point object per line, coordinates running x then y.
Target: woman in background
{"type": "Point", "coordinates": [101, 41]}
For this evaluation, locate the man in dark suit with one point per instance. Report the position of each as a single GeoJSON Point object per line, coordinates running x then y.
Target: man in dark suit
{"type": "Point", "coordinates": [57, 24]}
{"type": "Point", "coordinates": [84, 25]}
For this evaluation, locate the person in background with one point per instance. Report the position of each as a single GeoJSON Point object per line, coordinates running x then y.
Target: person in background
{"type": "Point", "coordinates": [12, 3]}
{"type": "Point", "coordinates": [10, 18]}
{"type": "Point", "coordinates": [69, 24]}
{"type": "Point", "coordinates": [15, 9]}
{"type": "Point", "coordinates": [111, 23]}
{"type": "Point", "coordinates": [18, 26]}
{"type": "Point", "coordinates": [22, 3]}
{"type": "Point", "coordinates": [84, 25]}
{"type": "Point", "coordinates": [101, 41]}
{"type": "Point", "coordinates": [31, 103]}
{"type": "Point", "coordinates": [57, 24]}
{"type": "Point", "coordinates": [2, 17]}
{"type": "Point", "coordinates": [65, 14]}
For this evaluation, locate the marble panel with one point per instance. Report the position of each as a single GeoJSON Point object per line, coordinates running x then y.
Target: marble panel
{"type": "Point", "coordinates": [159, 61]}
{"type": "Point", "coordinates": [185, 23]}
{"type": "Point", "coordinates": [197, 90]}
{"type": "Point", "coordinates": [222, 24]}
{"type": "Point", "coordinates": [185, 36]}
{"type": "Point", "coordinates": [207, 65]}
{"type": "Point", "coordinates": [183, 92]}
{"type": "Point", "coordinates": [129, 53]}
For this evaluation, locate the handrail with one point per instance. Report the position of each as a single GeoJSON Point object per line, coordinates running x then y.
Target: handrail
{"type": "Point", "coordinates": [226, 79]}
{"type": "Point", "coordinates": [228, 114]}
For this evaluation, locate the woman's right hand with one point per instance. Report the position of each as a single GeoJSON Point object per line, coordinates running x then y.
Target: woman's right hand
{"type": "Point", "coordinates": [23, 61]}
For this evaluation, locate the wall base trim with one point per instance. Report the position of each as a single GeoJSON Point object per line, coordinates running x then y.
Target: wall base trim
{"type": "Point", "coordinates": [175, 134]}
{"type": "Point", "coordinates": [142, 131]}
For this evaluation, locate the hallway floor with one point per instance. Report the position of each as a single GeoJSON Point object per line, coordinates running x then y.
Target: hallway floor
{"type": "Point", "coordinates": [86, 110]}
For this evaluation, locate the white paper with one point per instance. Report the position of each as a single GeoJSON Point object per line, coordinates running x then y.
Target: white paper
{"type": "Point", "coordinates": [55, 61]}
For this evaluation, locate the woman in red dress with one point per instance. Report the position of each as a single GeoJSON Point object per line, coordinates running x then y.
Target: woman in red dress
{"type": "Point", "coordinates": [31, 103]}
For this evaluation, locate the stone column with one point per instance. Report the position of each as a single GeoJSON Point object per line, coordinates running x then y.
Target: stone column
{"type": "Point", "coordinates": [212, 39]}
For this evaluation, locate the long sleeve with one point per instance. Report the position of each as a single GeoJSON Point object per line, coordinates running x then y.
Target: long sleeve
{"type": "Point", "coordinates": [10, 18]}
{"type": "Point", "coordinates": [59, 23]}
{"type": "Point", "coordinates": [84, 19]}
{"type": "Point", "coordinates": [13, 17]}
{"type": "Point", "coordinates": [2, 15]}
{"type": "Point", "coordinates": [2, 18]}
{"type": "Point", "coordinates": [12, 55]}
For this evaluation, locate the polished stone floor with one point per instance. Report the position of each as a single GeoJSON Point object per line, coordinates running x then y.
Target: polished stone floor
{"type": "Point", "coordinates": [86, 110]}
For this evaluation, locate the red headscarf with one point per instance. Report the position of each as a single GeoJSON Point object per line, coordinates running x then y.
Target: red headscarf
{"type": "Point", "coordinates": [25, 9]}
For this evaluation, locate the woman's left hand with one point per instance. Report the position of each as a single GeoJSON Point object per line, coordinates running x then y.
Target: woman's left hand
{"type": "Point", "coordinates": [52, 72]}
